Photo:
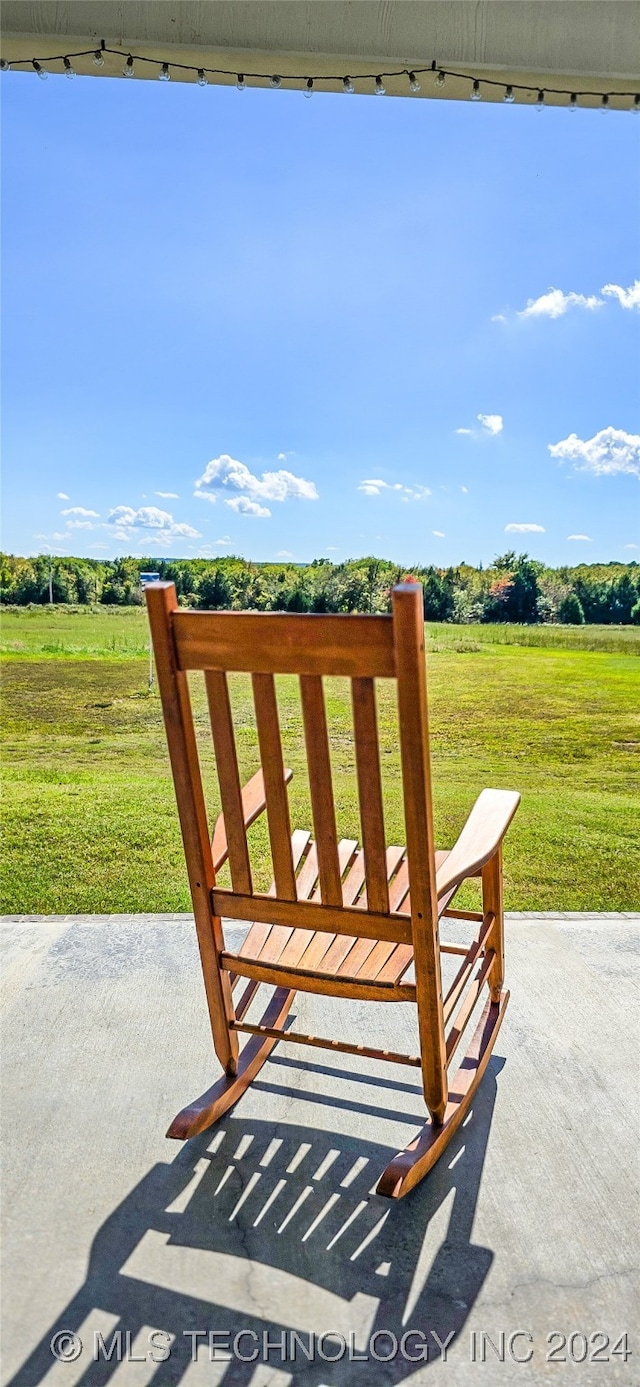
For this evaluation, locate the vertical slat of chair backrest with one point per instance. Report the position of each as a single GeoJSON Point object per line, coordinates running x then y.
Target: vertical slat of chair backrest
{"type": "Point", "coordinates": [228, 779]}
{"type": "Point", "coordinates": [365, 724]}
{"type": "Point", "coordinates": [278, 819]}
{"type": "Point", "coordinates": [176, 706]}
{"type": "Point", "coordinates": [408, 625]}
{"type": "Point", "coordinates": [314, 718]}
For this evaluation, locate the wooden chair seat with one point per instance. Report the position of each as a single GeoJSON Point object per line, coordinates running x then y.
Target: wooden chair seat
{"type": "Point", "coordinates": [346, 958]}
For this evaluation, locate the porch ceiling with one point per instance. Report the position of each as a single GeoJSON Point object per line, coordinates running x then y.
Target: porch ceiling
{"type": "Point", "coordinates": [570, 44]}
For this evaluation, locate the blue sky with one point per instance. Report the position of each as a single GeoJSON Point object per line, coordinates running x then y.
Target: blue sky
{"type": "Point", "coordinates": [256, 324]}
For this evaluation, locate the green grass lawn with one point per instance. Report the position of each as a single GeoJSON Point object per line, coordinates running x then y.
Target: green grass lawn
{"type": "Point", "coordinates": [89, 815]}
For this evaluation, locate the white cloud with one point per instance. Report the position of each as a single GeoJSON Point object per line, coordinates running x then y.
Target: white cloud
{"type": "Point", "coordinates": [81, 510]}
{"type": "Point", "coordinates": [498, 318]}
{"type": "Point", "coordinates": [439, 534]}
{"type": "Point", "coordinates": [167, 495]}
{"type": "Point", "coordinates": [524, 529]}
{"type": "Point", "coordinates": [632, 546]}
{"type": "Point", "coordinates": [62, 496]}
{"type": "Point", "coordinates": [610, 451]}
{"type": "Point", "coordinates": [332, 548]}
{"type": "Point", "coordinates": [98, 546]}
{"type": "Point", "coordinates": [242, 505]}
{"type": "Point", "coordinates": [587, 538]}
{"type": "Point", "coordinates": [555, 303]}
{"type": "Point", "coordinates": [469, 431]}
{"type": "Point", "coordinates": [80, 525]}
{"type": "Point", "coordinates": [130, 523]}
{"type": "Point", "coordinates": [374, 486]}
{"type": "Point", "coordinates": [493, 423]}
{"type": "Point", "coordinates": [208, 550]}
{"type": "Point", "coordinates": [465, 489]}
{"type": "Point", "coordinates": [225, 472]}
{"type": "Point", "coordinates": [284, 554]}
{"type": "Point", "coordinates": [627, 298]}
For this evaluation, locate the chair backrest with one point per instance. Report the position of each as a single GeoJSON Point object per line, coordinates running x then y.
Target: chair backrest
{"type": "Point", "coordinates": [362, 648]}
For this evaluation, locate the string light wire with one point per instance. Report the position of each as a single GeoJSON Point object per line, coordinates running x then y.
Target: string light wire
{"type": "Point", "coordinates": [347, 82]}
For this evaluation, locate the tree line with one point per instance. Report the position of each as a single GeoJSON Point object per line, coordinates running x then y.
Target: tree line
{"type": "Point", "coordinates": [513, 588]}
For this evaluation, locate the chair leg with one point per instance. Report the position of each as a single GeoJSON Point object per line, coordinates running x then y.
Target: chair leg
{"type": "Point", "coordinates": [210, 1106]}
{"type": "Point", "coordinates": [492, 900]}
{"type": "Point", "coordinates": [411, 1165]}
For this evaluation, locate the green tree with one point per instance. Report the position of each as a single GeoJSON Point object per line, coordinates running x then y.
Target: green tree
{"type": "Point", "coordinates": [214, 592]}
{"type": "Point", "coordinates": [570, 610]}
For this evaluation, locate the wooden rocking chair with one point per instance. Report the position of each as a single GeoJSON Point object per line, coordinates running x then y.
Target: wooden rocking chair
{"type": "Point", "coordinates": [339, 920]}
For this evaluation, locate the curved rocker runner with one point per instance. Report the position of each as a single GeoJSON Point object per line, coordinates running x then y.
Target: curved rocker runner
{"type": "Point", "coordinates": [339, 919]}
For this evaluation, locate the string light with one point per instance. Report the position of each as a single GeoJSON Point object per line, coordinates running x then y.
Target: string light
{"type": "Point", "coordinates": [309, 87]}
{"type": "Point", "coordinates": [41, 71]}
{"type": "Point", "coordinates": [412, 74]}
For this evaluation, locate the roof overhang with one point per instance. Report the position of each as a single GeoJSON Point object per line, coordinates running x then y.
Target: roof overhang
{"type": "Point", "coordinates": [590, 46]}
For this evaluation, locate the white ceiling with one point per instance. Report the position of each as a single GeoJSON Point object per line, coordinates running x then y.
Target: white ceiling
{"type": "Point", "coordinates": [573, 44]}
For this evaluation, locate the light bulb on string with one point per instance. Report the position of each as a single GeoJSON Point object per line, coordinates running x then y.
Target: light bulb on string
{"type": "Point", "coordinates": [98, 58]}
{"type": "Point", "coordinates": [308, 91]}
{"type": "Point", "coordinates": [476, 94]}
{"type": "Point", "coordinates": [380, 87]}
{"type": "Point", "coordinates": [540, 101]}
{"type": "Point", "coordinates": [275, 81]}
{"type": "Point", "coordinates": [636, 104]}
{"type": "Point", "coordinates": [4, 65]}
{"type": "Point", "coordinates": [347, 85]}
{"type": "Point", "coordinates": [241, 85]}
{"type": "Point", "coordinates": [41, 71]}
{"type": "Point", "coordinates": [68, 70]}
{"type": "Point", "coordinates": [605, 103]}
{"type": "Point", "coordinates": [440, 79]}
{"type": "Point", "coordinates": [414, 85]}
{"type": "Point", "coordinates": [127, 70]}
{"type": "Point", "coordinates": [202, 79]}
{"type": "Point", "coordinates": [573, 101]}
{"type": "Point", "coordinates": [164, 75]}
{"type": "Point", "coordinates": [509, 96]}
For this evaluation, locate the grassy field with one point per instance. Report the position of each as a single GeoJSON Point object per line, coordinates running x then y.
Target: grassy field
{"type": "Point", "coordinates": [89, 815]}
{"type": "Point", "coordinates": [62, 632]}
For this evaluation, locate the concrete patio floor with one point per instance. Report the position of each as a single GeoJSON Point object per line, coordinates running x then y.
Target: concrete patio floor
{"type": "Point", "coordinates": [526, 1231]}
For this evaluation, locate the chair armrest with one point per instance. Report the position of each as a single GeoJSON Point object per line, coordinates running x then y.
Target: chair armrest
{"type": "Point", "coordinates": [254, 800]}
{"type": "Point", "coordinates": [480, 838]}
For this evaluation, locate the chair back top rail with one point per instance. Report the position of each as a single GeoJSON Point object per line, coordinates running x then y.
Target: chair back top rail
{"type": "Point", "coordinates": [285, 643]}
